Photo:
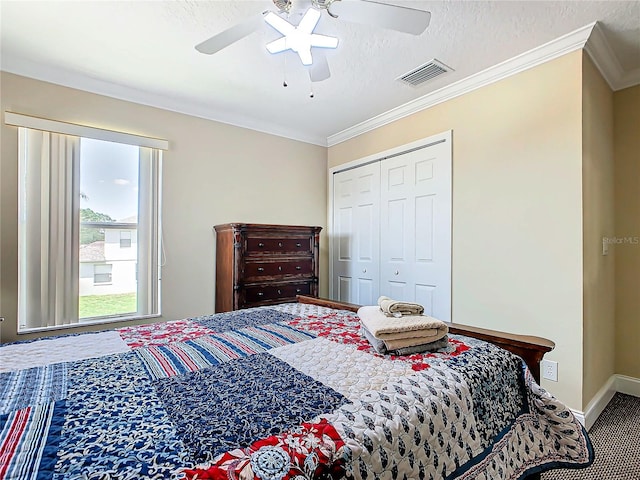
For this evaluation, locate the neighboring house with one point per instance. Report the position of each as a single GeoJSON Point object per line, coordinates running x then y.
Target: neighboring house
{"type": "Point", "coordinates": [109, 267]}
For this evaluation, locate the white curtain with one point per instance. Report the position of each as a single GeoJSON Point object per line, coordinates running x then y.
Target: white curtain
{"type": "Point", "coordinates": [48, 230]}
{"type": "Point", "coordinates": [148, 231]}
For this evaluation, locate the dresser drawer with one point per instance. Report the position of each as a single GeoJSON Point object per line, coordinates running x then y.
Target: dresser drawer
{"type": "Point", "coordinates": [279, 245]}
{"type": "Point", "coordinates": [257, 270]}
{"type": "Point", "coordinates": [261, 293]}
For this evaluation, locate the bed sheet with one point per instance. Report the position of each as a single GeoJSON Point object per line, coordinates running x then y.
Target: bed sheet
{"type": "Point", "coordinates": [285, 392]}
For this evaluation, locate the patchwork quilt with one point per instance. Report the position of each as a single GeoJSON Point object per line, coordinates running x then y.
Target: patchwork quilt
{"type": "Point", "coordinates": [285, 392]}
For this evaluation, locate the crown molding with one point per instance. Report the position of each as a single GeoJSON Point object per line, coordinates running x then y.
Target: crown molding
{"type": "Point", "coordinates": [591, 38]}
{"type": "Point", "coordinates": [603, 57]}
{"type": "Point", "coordinates": [629, 79]}
{"type": "Point", "coordinates": [607, 62]}
{"type": "Point", "coordinates": [72, 79]}
{"type": "Point", "coordinates": [570, 42]}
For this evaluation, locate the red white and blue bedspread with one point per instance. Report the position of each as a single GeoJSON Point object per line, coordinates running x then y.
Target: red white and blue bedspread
{"type": "Point", "coordinates": [287, 392]}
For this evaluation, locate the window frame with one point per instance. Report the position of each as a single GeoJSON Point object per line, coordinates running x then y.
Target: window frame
{"type": "Point", "coordinates": [149, 148]}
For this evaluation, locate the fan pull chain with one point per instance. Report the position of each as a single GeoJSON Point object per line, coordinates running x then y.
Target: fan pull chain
{"type": "Point", "coordinates": [284, 71]}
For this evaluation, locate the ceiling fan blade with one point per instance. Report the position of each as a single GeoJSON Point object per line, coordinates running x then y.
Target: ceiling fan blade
{"type": "Point", "coordinates": [393, 17]}
{"type": "Point", "coordinates": [231, 35]}
{"type": "Point", "coordinates": [319, 71]}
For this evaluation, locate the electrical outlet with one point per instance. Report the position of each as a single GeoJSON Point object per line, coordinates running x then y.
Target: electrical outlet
{"type": "Point", "coordinates": [550, 370]}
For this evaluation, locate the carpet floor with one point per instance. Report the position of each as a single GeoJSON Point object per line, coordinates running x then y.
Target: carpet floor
{"type": "Point", "coordinates": [616, 442]}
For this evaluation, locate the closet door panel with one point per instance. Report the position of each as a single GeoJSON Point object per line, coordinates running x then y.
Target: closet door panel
{"type": "Point", "coordinates": [415, 246]}
{"type": "Point", "coordinates": [397, 242]}
{"type": "Point", "coordinates": [396, 177]}
{"type": "Point", "coordinates": [344, 288]}
{"type": "Point", "coordinates": [356, 238]}
{"type": "Point", "coordinates": [345, 225]}
{"type": "Point", "coordinates": [425, 268]}
{"type": "Point", "coordinates": [424, 296]}
{"type": "Point", "coordinates": [396, 289]}
{"type": "Point", "coordinates": [394, 238]}
{"type": "Point", "coordinates": [367, 217]}
{"type": "Point", "coordinates": [424, 228]}
{"type": "Point", "coordinates": [366, 291]}
{"type": "Point", "coordinates": [343, 264]}
{"type": "Point", "coordinates": [432, 194]}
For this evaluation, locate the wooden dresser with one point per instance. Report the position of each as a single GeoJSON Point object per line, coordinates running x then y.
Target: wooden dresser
{"type": "Point", "coordinates": [264, 264]}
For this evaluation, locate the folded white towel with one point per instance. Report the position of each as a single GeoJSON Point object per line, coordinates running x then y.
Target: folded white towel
{"type": "Point", "coordinates": [409, 326]}
{"type": "Point", "coordinates": [402, 343]}
{"type": "Point", "coordinates": [381, 346]}
{"type": "Point", "coordinates": [396, 307]}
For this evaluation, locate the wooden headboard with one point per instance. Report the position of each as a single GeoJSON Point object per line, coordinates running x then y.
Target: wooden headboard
{"type": "Point", "coordinates": [531, 349]}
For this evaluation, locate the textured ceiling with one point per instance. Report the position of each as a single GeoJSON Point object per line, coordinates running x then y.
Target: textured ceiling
{"type": "Point", "coordinates": [144, 51]}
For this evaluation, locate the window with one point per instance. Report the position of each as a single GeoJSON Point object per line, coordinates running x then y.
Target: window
{"type": "Point", "coordinates": [102, 273]}
{"type": "Point", "coordinates": [88, 226]}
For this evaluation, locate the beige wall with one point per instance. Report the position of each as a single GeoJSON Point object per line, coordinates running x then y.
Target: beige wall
{"type": "Point", "coordinates": [517, 205]}
{"type": "Point", "coordinates": [627, 224]}
{"type": "Point", "coordinates": [212, 173]}
{"type": "Point", "coordinates": [532, 194]}
{"type": "Point", "coordinates": [598, 222]}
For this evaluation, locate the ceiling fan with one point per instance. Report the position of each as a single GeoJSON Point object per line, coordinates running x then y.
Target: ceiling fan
{"type": "Point", "coordinates": [301, 38]}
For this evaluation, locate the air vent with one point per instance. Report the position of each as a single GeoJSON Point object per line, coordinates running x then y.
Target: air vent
{"type": "Point", "coordinates": [424, 73]}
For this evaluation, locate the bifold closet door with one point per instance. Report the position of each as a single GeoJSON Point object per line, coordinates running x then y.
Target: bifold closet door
{"type": "Point", "coordinates": [415, 223]}
{"type": "Point", "coordinates": [356, 235]}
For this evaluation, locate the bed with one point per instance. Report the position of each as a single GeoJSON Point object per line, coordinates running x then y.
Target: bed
{"type": "Point", "coordinates": [290, 391]}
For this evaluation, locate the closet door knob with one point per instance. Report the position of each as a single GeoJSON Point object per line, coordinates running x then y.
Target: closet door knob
{"type": "Point", "coordinates": [396, 272]}
{"type": "Point", "coordinates": [364, 270]}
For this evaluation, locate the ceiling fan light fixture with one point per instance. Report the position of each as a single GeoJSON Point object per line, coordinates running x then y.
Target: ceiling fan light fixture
{"type": "Point", "coordinates": [299, 38]}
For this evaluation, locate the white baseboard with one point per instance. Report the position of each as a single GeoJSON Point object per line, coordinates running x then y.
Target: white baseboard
{"type": "Point", "coordinates": [599, 401]}
{"type": "Point", "coordinates": [628, 385]}
{"type": "Point", "coordinates": [616, 383]}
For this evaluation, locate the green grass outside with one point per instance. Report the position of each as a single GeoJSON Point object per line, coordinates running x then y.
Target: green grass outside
{"type": "Point", "coordinates": [100, 305]}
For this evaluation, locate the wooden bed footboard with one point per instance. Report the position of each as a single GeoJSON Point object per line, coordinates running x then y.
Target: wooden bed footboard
{"type": "Point", "coordinates": [530, 348]}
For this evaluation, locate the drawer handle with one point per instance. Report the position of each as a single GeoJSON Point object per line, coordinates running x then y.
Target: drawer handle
{"type": "Point", "coordinates": [298, 267]}
{"type": "Point", "coordinates": [298, 290]}
{"type": "Point", "coordinates": [261, 269]}
{"type": "Point", "coordinates": [279, 292]}
{"type": "Point", "coordinates": [261, 244]}
{"type": "Point", "coordinates": [280, 244]}
{"type": "Point", "coordinates": [298, 244]}
{"type": "Point", "coordinates": [396, 272]}
{"type": "Point", "coordinates": [279, 268]}
{"type": "Point", "coordinates": [260, 294]}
